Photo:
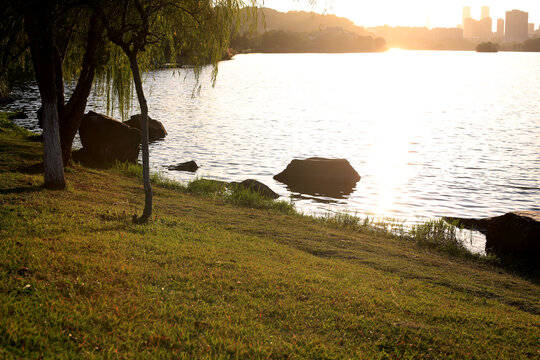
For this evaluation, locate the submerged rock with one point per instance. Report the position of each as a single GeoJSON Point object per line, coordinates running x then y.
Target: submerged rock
{"type": "Point", "coordinates": [256, 187]}
{"type": "Point", "coordinates": [156, 130]}
{"type": "Point", "coordinates": [320, 176]}
{"type": "Point", "coordinates": [190, 166]}
{"type": "Point", "coordinates": [106, 140]}
{"type": "Point", "coordinates": [515, 234]}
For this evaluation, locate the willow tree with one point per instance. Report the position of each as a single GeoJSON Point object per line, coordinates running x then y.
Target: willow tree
{"type": "Point", "coordinates": [13, 45]}
{"type": "Point", "coordinates": [195, 30]}
{"type": "Point", "coordinates": [63, 38]}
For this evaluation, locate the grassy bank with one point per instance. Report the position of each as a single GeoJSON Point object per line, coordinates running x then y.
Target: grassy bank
{"type": "Point", "coordinates": [212, 278]}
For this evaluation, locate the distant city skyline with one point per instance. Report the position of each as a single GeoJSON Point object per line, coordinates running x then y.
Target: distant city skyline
{"type": "Point", "coordinates": [430, 13]}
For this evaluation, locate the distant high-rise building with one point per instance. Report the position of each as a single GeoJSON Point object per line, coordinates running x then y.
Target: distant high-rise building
{"type": "Point", "coordinates": [531, 29]}
{"type": "Point", "coordinates": [517, 26]}
{"type": "Point", "coordinates": [466, 15]}
{"type": "Point", "coordinates": [500, 28]}
{"type": "Point", "coordinates": [485, 28]}
{"type": "Point", "coordinates": [485, 12]}
{"type": "Point", "coordinates": [477, 29]}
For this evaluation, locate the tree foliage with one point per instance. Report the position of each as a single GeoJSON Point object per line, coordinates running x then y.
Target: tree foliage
{"type": "Point", "coordinates": [13, 46]}
{"type": "Point", "coordinates": [111, 39]}
{"type": "Point", "coordinates": [200, 29]}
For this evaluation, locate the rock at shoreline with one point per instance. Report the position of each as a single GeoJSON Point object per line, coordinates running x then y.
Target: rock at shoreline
{"type": "Point", "coordinates": [256, 187]}
{"type": "Point", "coordinates": [106, 140]}
{"type": "Point", "coordinates": [190, 166]}
{"type": "Point", "coordinates": [4, 100]}
{"type": "Point", "coordinates": [18, 115]}
{"type": "Point", "coordinates": [320, 176]}
{"type": "Point", "coordinates": [515, 234]}
{"type": "Point", "coordinates": [156, 130]}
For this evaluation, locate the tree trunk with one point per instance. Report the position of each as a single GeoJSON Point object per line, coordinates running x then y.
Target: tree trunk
{"type": "Point", "coordinates": [59, 81]}
{"type": "Point", "coordinates": [144, 138]}
{"type": "Point", "coordinates": [71, 115]}
{"type": "Point", "coordinates": [38, 22]}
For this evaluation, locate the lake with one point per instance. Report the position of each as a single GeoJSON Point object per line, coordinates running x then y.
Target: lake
{"type": "Point", "coordinates": [431, 133]}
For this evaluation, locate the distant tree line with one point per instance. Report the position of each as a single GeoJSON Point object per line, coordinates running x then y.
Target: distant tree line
{"type": "Point", "coordinates": [531, 45]}
{"type": "Point", "coordinates": [487, 47]}
{"type": "Point", "coordinates": [334, 40]}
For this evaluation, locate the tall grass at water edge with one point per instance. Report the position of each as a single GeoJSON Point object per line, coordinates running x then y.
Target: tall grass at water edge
{"type": "Point", "coordinates": [433, 233]}
{"type": "Point", "coordinates": [222, 191]}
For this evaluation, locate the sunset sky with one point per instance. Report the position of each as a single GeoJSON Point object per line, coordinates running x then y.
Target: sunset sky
{"type": "Point", "coordinates": [432, 13]}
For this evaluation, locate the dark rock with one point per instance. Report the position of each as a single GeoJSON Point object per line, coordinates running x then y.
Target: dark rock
{"type": "Point", "coordinates": [84, 157]}
{"type": "Point", "coordinates": [190, 166]}
{"type": "Point", "coordinates": [19, 115]}
{"type": "Point", "coordinates": [106, 140]}
{"type": "Point", "coordinates": [36, 138]}
{"type": "Point", "coordinates": [318, 176]}
{"type": "Point", "coordinates": [156, 130]}
{"type": "Point", "coordinates": [480, 225]}
{"type": "Point", "coordinates": [257, 187]}
{"type": "Point", "coordinates": [6, 100]}
{"type": "Point", "coordinates": [515, 234]}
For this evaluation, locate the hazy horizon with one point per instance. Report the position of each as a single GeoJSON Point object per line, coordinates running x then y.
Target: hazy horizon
{"type": "Point", "coordinates": [412, 13]}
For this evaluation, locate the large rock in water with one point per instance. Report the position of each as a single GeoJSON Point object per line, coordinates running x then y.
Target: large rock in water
{"type": "Point", "coordinates": [156, 130]}
{"type": "Point", "coordinates": [515, 234]}
{"type": "Point", "coordinates": [106, 140]}
{"type": "Point", "coordinates": [320, 176]}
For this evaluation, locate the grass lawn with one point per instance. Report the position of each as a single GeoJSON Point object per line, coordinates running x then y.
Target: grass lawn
{"type": "Point", "coordinates": [210, 279]}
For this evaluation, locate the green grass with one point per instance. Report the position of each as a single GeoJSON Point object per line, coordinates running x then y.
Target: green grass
{"type": "Point", "coordinates": [218, 190]}
{"type": "Point", "coordinates": [440, 235]}
{"type": "Point", "coordinates": [9, 128]}
{"type": "Point", "coordinates": [210, 279]}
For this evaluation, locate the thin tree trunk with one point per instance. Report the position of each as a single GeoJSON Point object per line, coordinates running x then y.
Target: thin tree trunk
{"type": "Point", "coordinates": [59, 81]}
{"type": "Point", "coordinates": [39, 29]}
{"type": "Point", "coordinates": [144, 138]}
{"type": "Point", "coordinates": [70, 117]}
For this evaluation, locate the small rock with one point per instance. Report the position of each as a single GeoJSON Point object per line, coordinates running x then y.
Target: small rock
{"type": "Point", "coordinates": [190, 166]}
{"type": "Point", "coordinates": [18, 115]}
{"type": "Point", "coordinates": [6, 100]}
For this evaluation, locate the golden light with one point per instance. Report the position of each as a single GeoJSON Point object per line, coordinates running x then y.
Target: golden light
{"type": "Point", "coordinates": [430, 13]}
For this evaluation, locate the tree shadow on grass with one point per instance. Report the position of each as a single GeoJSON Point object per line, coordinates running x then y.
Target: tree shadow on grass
{"type": "Point", "coordinates": [22, 189]}
{"type": "Point", "coordinates": [33, 169]}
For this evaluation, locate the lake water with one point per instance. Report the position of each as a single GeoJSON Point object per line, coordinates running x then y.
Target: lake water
{"type": "Point", "coordinates": [431, 133]}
